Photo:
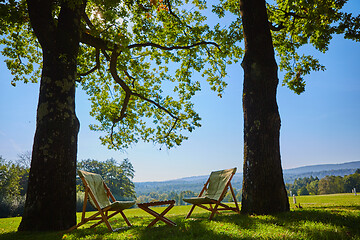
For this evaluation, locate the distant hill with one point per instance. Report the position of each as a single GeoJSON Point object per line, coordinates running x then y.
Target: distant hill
{"type": "Point", "coordinates": [323, 167]}
{"type": "Point", "coordinates": [196, 183]}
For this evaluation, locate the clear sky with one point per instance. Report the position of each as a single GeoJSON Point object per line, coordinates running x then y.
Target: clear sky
{"type": "Point", "coordinates": [320, 126]}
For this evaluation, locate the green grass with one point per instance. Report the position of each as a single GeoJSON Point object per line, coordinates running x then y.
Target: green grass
{"type": "Point", "coordinates": [334, 216]}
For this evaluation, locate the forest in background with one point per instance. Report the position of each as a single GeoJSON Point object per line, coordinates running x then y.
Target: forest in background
{"type": "Point", "coordinates": [196, 183]}
{"type": "Point", "coordinates": [118, 176]}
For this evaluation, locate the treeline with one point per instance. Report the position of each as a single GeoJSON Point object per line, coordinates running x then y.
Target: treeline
{"type": "Point", "coordinates": [194, 184]}
{"type": "Point", "coordinates": [118, 176]}
{"type": "Point", "coordinates": [290, 177]}
{"type": "Point", "coordinates": [14, 177]}
{"type": "Point", "coordinates": [13, 185]}
{"type": "Point", "coordinates": [301, 186]}
{"type": "Point", "coordinates": [325, 185]}
{"type": "Point", "coordinates": [179, 196]}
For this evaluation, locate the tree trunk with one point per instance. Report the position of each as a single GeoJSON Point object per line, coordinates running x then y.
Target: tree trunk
{"type": "Point", "coordinates": [263, 185]}
{"type": "Point", "coordinates": [51, 195]}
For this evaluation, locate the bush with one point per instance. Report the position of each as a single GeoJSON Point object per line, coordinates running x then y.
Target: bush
{"type": "Point", "coordinates": [80, 202]}
{"type": "Point", "coordinates": [12, 207]}
{"type": "Point", "coordinates": [303, 191]}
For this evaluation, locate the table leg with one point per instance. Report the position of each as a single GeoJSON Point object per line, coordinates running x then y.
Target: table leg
{"type": "Point", "coordinates": [159, 216]}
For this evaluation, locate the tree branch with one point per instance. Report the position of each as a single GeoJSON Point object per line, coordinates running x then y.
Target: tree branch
{"type": "Point", "coordinates": [114, 74]}
{"type": "Point", "coordinates": [286, 13]}
{"type": "Point", "coordinates": [87, 20]}
{"type": "Point", "coordinates": [130, 77]}
{"type": "Point", "coordinates": [292, 14]}
{"type": "Point", "coordinates": [172, 127]}
{"type": "Point", "coordinates": [150, 44]}
{"type": "Point", "coordinates": [107, 56]}
{"type": "Point", "coordinates": [276, 27]}
{"type": "Point", "coordinates": [113, 71]}
{"type": "Point", "coordinates": [102, 44]}
{"type": "Point", "coordinates": [126, 88]}
{"type": "Point", "coordinates": [129, 93]}
{"type": "Point", "coordinates": [176, 16]}
{"type": "Point", "coordinates": [40, 12]}
{"type": "Point", "coordinates": [154, 103]}
{"type": "Point", "coordinates": [96, 42]}
{"type": "Point", "coordinates": [97, 65]}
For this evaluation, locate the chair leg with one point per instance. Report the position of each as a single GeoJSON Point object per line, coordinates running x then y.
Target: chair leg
{"type": "Point", "coordinates": [213, 211]}
{"type": "Point", "coordinates": [104, 219]}
{"type": "Point", "coordinates": [191, 210]}
{"type": "Point", "coordinates": [234, 198]}
{"type": "Point", "coordinates": [75, 226]}
{"type": "Point", "coordinates": [160, 216]}
{"type": "Point", "coordinates": [107, 220]}
{"type": "Point", "coordinates": [125, 218]}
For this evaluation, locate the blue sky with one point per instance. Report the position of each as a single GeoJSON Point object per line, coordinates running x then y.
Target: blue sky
{"type": "Point", "coordinates": [320, 126]}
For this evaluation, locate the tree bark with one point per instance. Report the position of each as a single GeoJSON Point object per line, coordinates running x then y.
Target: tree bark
{"type": "Point", "coordinates": [263, 185]}
{"type": "Point", "coordinates": [51, 195]}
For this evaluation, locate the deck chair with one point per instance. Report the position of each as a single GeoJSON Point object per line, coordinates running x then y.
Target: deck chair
{"type": "Point", "coordinates": [214, 192]}
{"type": "Point", "coordinates": [98, 194]}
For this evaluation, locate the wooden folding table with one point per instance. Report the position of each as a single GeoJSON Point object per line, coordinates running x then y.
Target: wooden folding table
{"type": "Point", "coordinates": [158, 216]}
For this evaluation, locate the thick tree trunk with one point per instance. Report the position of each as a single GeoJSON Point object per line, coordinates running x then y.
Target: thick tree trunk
{"type": "Point", "coordinates": [263, 185]}
{"type": "Point", "coordinates": [51, 195]}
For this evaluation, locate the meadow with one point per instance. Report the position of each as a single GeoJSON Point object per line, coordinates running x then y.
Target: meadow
{"type": "Point", "coordinates": [335, 216]}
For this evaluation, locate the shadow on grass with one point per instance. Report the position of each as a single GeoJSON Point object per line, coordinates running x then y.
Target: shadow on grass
{"type": "Point", "coordinates": [335, 223]}
{"type": "Point", "coordinates": [340, 207]}
{"type": "Point", "coordinates": [314, 223]}
{"type": "Point", "coordinates": [31, 236]}
{"type": "Point", "coordinates": [333, 216]}
{"type": "Point", "coordinates": [199, 228]}
{"type": "Point", "coordinates": [307, 223]}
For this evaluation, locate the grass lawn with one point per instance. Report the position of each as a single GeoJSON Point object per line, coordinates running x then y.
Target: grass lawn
{"type": "Point", "coordinates": [335, 216]}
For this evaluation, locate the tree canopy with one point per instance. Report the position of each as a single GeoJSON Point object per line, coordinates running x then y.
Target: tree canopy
{"type": "Point", "coordinates": [138, 59]}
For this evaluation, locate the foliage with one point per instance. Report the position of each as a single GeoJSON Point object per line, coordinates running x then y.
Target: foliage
{"type": "Point", "coordinates": [139, 59]}
{"type": "Point", "coordinates": [300, 184]}
{"type": "Point", "coordinates": [303, 191]}
{"type": "Point", "coordinates": [326, 185]}
{"type": "Point", "coordinates": [322, 217]}
{"type": "Point", "coordinates": [313, 187]}
{"type": "Point", "coordinates": [290, 177]}
{"type": "Point", "coordinates": [12, 179]}
{"type": "Point", "coordinates": [20, 45]}
{"type": "Point", "coordinates": [331, 184]}
{"type": "Point", "coordinates": [299, 23]}
{"type": "Point", "coordinates": [146, 83]}
{"type": "Point", "coordinates": [296, 24]}
{"type": "Point", "coordinates": [136, 62]}
{"type": "Point", "coordinates": [118, 177]}
{"type": "Point", "coordinates": [11, 207]}
{"type": "Point", "coordinates": [13, 184]}
{"type": "Point", "coordinates": [352, 181]}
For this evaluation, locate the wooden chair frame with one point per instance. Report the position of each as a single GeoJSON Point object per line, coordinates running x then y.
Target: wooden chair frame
{"type": "Point", "coordinates": [104, 213]}
{"type": "Point", "coordinates": [217, 203]}
{"type": "Point", "coordinates": [158, 216]}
